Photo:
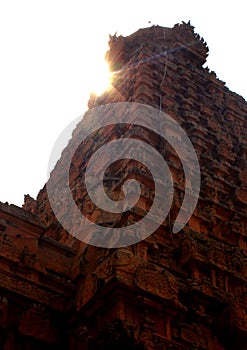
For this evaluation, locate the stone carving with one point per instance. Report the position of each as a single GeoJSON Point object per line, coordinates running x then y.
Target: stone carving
{"type": "Point", "coordinates": [81, 337]}
{"type": "Point", "coordinates": [3, 311]}
{"type": "Point", "coordinates": [27, 259]}
{"type": "Point", "coordinates": [6, 247]}
{"type": "Point", "coordinates": [87, 290]}
{"type": "Point", "coordinates": [146, 331]}
{"type": "Point", "coordinates": [36, 322]}
{"type": "Point", "coordinates": [121, 263]}
{"type": "Point", "coordinates": [30, 204]}
{"type": "Point", "coordinates": [193, 334]}
{"type": "Point", "coordinates": [186, 249]}
{"type": "Point", "coordinates": [117, 335]}
{"type": "Point", "coordinates": [158, 281]}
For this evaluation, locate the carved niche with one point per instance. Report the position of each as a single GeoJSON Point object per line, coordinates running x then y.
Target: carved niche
{"type": "Point", "coordinates": [36, 322]}
{"type": "Point", "coordinates": [27, 259]}
{"type": "Point", "coordinates": [122, 263]}
{"type": "Point", "coordinates": [155, 280]}
{"type": "Point", "coordinates": [7, 248]}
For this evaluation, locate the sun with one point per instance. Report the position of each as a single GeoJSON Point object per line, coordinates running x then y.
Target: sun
{"type": "Point", "coordinates": [101, 78]}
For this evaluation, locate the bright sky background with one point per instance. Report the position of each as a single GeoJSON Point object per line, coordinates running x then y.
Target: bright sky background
{"type": "Point", "coordinates": [52, 56]}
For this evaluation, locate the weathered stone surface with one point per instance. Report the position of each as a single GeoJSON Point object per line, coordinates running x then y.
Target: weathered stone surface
{"type": "Point", "coordinates": [184, 291]}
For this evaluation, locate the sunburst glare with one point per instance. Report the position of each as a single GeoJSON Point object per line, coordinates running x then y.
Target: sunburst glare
{"type": "Point", "coordinates": [100, 78]}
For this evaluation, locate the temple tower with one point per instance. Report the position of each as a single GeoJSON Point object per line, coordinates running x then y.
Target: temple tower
{"type": "Point", "coordinates": [184, 290]}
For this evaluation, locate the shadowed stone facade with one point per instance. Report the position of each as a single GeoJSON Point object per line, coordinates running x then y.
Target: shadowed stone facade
{"type": "Point", "coordinates": [184, 291]}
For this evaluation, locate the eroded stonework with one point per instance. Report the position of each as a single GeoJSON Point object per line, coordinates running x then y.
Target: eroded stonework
{"type": "Point", "coordinates": [180, 291]}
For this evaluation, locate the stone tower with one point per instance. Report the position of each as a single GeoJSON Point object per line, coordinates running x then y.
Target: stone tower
{"type": "Point", "coordinates": [183, 290]}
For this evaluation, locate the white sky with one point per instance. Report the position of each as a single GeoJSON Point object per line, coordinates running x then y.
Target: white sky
{"type": "Point", "coordinates": [51, 53]}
